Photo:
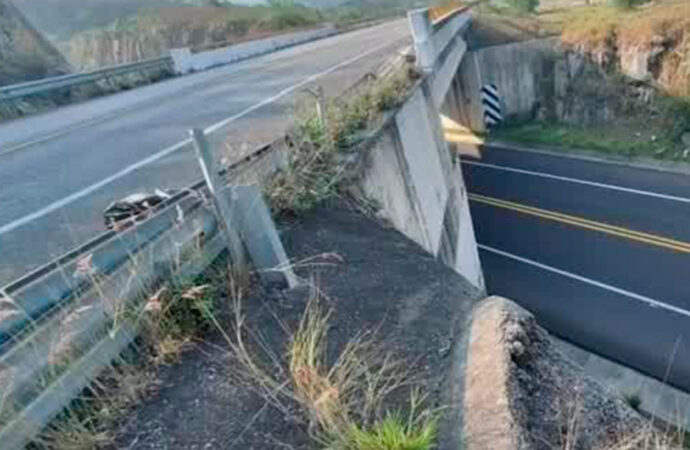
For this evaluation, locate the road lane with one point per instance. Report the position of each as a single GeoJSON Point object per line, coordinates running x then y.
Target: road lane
{"type": "Point", "coordinates": [620, 232]}
{"type": "Point", "coordinates": [107, 135]}
{"type": "Point", "coordinates": [102, 148]}
{"type": "Point", "coordinates": [548, 244]}
{"type": "Point", "coordinates": [666, 215]}
{"type": "Point", "coordinates": [654, 342]}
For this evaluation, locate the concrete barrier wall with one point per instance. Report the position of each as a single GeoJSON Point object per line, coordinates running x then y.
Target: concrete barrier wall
{"type": "Point", "coordinates": [411, 175]}
{"type": "Point", "coordinates": [185, 61]}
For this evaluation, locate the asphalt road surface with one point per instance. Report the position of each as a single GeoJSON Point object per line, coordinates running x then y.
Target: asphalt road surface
{"type": "Point", "coordinates": [78, 150]}
{"type": "Point", "coordinates": [599, 252]}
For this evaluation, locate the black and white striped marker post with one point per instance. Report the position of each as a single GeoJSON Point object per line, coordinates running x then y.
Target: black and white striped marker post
{"type": "Point", "coordinates": [492, 106]}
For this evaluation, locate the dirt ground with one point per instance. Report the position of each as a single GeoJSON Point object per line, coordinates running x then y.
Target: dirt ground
{"type": "Point", "coordinates": [373, 278]}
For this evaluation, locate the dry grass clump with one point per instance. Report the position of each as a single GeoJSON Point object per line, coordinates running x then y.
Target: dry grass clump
{"type": "Point", "coordinates": [314, 168]}
{"type": "Point", "coordinates": [444, 7]}
{"type": "Point", "coordinates": [174, 316]}
{"type": "Point", "coordinates": [649, 438]}
{"type": "Point", "coordinates": [89, 421]}
{"type": "Point", "coordinates": [665, 19]}
{"type": "Point", "coordinates": [169, 320]}
{"type": "Point", "coordinates": [590, 27]}
{"type": "Point", "coordinates": [343, 399]}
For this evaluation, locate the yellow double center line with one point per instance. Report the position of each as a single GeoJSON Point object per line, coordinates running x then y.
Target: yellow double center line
{"type": "Point", "coordinates": [646, 238]}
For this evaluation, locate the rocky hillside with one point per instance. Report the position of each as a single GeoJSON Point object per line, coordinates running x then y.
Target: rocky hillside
{"type": "Point", "coordinates": [150, 34]}
{"type": "Point", "coordinates": [24, 53]}
{"type": "Point", "coordinates": [650, 44]}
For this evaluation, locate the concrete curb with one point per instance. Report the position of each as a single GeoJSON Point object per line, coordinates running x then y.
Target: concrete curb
{"type": "Point", "coordinates": [488, 417]}
{"type": "Point", "coordinates": [644, 163]}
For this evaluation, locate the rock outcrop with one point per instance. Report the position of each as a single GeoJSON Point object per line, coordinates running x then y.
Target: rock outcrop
{"type": "Point", "coordinates": [663, 61]}
{"type": "Point", "coordinates": [651, 45]}
{"type": "Point", "coordinates": [585, 93]}
{"type": "Point", "coordinates": [24, 54]}
{"type": "Point", "coordinates": [109, 46]}
{"type": "Point", "coordinates": [522, 393]}
{"type": "Point", "coordinates": [151, 35]}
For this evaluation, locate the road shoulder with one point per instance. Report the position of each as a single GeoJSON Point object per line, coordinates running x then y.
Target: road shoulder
{"type": "Point", "coordinates": [594, 156]}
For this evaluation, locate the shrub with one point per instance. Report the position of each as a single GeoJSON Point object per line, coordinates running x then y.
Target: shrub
{"type": "Point", "coordinates": [313, 171]}
{"type": "Point", "coordinates": [342, 398]}
{"type": "Point", "coordinates": [393, 433]}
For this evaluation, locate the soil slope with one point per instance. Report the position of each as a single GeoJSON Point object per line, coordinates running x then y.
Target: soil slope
{"type": "Point", "coordinates": [374, 278]}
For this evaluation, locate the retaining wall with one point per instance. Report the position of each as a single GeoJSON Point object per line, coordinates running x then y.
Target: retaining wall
{"type": "Point", "coordinates": [417, 185]}
{"type": "Point", "coordinates": [516, 69]}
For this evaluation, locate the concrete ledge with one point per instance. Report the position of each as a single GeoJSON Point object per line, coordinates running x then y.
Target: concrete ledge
{"type": "Point", "coordinates": [489, 423]}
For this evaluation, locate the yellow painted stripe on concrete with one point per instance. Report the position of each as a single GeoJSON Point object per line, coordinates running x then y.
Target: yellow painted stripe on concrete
{"type": "Point", "coordinates": [646, 238]}
{"type": "Point", "coordinates": [462, 138]}
{"type": "Point", "coordinates": [456, 133]}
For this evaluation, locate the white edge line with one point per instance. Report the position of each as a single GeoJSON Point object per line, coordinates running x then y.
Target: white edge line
{"type": "Point", "coordinates": [578, 181]}
{"type": "Point", "coordinates": [94, 187]}
{"type": "Point", "coordinates": [649, 301]}
{"type": "Point", "coordinates": [12, 147]}
{"type": "Point", "coordinates": [11, 226]}
{"type": "Point", "coordinates": [295, 87]}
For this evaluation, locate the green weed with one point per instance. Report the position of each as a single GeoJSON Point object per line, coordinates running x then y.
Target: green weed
{"type": "Point", "coordinates": [393, 433]}
{"type": "Point", "coordinates": [314, 170]}
{"type": "Point", "coordinates": [603, 139]}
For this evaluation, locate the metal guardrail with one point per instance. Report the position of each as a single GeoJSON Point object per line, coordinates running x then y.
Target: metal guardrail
{"type": "Point", "coordinates": [60, 324]}
{"type": "Point", "coordinates": [42, 290]}
{"type": "Point", "coordinates": [432, 38]}
{"type": "Point", "coordinates": [439, 46]}
{"type": "Point", "coordinates": [70, 307]}
{"type": "Point", "coordinates": [66, 81]}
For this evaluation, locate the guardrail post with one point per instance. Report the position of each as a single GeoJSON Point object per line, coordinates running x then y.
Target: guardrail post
{"type": "Point", "coordinates": [422, 35]}
{"type": "Point", "coordinates": [320, 103]}
{"type": "Point", "coordinates": [261, 238]}
{"type": "Point", "coordinates": [221, 203]}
